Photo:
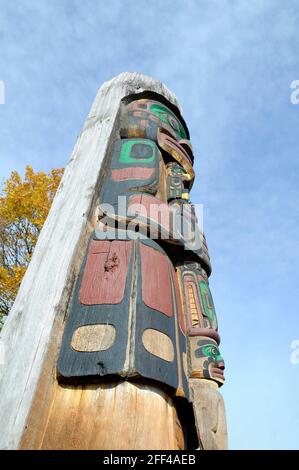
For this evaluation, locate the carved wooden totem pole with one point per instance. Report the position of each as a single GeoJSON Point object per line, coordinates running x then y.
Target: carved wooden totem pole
{"type": "Point", "coordinates": [131, 357]}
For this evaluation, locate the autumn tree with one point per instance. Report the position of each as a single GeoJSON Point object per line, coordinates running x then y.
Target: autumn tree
{"type": "Point", "coordinates": [24, 206]}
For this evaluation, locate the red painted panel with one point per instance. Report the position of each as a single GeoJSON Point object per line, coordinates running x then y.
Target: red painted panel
{"type": "Point", "coordinates": [156, 287]}
{"type": "Point", "coordinates": [138, 113]}
{"type": "Point", "coordinates": [99, 246]}
{"type": "Point", "coordinates": [105, 273]}
{"type": "Point", "coordinates": [132, 173]}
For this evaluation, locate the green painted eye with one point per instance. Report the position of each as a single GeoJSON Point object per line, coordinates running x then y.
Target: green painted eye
{"type": "Point", "coordinates": [210, 350]}
{"type": "Point", "coordinates": [169, 118]}
{"type": "Point", "coordinates": [179, 171]}
{"type": "Point", "coordinates": [138, 150]}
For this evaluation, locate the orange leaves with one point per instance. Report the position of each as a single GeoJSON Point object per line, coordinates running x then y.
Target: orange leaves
{"type": "Point", "coordinates": [10, 280]}
{"type": "Point", "coordinates": [30, 198]}
{"type": "Point", "coordinates": [24, 206]}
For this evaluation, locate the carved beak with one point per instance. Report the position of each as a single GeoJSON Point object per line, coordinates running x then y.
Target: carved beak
{"type": "Point", "coordinates": [180, 150]}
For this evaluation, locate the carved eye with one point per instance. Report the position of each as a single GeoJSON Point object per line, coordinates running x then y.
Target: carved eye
{"type": "Point", "coordinates": [174, 124]}
{"type": "Point", "coordinates": [169, 118]}
{"type": "Point", "coordinates": [211, 351]}
{"type": "Point", "coordinates": [141, 151]}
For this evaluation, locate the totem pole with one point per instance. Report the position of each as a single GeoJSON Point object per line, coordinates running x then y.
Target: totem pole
{"type": "Point", "coordinates": [133, 359]}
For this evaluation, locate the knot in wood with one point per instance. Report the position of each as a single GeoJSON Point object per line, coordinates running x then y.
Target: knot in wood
{"type": "Point", "coordinates": [112, 263]}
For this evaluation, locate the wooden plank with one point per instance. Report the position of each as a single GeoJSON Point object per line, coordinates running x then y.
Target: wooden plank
{"type": "Point", "coordinates": [109, 417]}
{"type": "Point", "coordinates": [46, 287]}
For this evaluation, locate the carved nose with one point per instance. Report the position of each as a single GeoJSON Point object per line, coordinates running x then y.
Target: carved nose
{"type": "Point", "coordinates": [221, 365]}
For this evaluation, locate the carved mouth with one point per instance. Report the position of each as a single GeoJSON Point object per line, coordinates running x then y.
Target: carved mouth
{"type": "Point", "coordinates": [217, 373]}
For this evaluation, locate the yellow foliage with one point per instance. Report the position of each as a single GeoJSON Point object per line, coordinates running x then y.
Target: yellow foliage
{"type": "Point", "coordinates": [24, 206]}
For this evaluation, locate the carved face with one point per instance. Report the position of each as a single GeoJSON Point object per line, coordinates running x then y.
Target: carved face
{"type": "Point", "coordinates": [142, 118]}
{"type": "Point", "coordinates": [209, 360]}
{"type": "Point", "coordinates": [152, 120]}
{"type": "Point", "coordinates": [176, 182]}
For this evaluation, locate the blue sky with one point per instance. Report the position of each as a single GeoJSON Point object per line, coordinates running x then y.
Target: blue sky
{"type": "Point", "coordinates": [231, 64]}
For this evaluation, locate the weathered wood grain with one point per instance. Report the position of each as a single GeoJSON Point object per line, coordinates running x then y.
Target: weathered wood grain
{"type": "Point", "coordinates": [109, 417]}
{"type": "Point", "coordinates": [158, 343]}
{"type": "Point", "coordinates": [209, 411]}
{"type": "Point", "coordinates": [91, 338]}
{"type": "Point", "coordinates": [46, 287]}
{"type": "Point", "coordinates": [156, 287]}
{"type": "Point", "coordinates": [107, 261]}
